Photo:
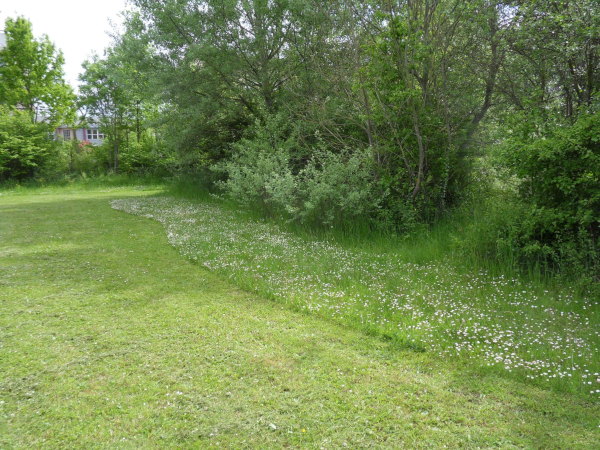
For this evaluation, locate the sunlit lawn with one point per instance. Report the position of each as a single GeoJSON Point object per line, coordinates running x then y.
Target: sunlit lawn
{"type": "Point", "coordinates": [109, 338]}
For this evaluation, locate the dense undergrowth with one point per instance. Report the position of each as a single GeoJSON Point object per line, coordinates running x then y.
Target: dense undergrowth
{"type": "Point", "coordinates": [484, 233]}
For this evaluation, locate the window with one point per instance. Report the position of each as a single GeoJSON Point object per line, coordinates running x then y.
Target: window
{"type": "Point", "coordinates": [67, 135]}
{"type": "Point", "coordinates": [94, 134]}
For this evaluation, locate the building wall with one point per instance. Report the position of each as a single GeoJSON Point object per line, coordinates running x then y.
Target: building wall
{"type": "Point", "coordinates": [93, 141]}
{"type": "Point", "coordinates": [82, 134]}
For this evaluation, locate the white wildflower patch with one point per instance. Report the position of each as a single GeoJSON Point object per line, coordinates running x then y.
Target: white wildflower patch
{"type": "Point", "coordinates": [493, 321]}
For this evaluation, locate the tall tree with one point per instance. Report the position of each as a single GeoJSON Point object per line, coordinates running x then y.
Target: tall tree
{"type": "Point", "coordinates": [31, 75]}
{"type": "Point", "coordinates": [107, 99]}
{"type": "Point", "coordinates": [553, 68]}
{"type": "Point", "coordinates": [219, 65]}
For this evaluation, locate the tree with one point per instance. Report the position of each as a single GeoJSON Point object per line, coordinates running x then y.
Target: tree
{"type": "Point", "coordinates": [238, 49]}
{"type": "Point", "coordinates": [556, 57]}
{"type": "Point", "coordinates": [26, 148]}
{"type": "Point", "coordinates": [31, 75]}
{"type": "Point", "coordinates": [219, 65]}
{"type": "Point", "coordinates": [106, 98]}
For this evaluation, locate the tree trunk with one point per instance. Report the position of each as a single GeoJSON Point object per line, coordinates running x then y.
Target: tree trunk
{"type": "Point", "coordinates": [116, 155]}
{"type": "Point", "coordinates": [137, 121]}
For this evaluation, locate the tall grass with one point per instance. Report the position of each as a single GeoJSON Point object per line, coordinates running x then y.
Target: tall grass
{"type": "Point", "coordinates": [437, 289]}
{"type": "Point", "coordinates": [466, 237]}
{"type": "Point", "coordinates": [471, 237]}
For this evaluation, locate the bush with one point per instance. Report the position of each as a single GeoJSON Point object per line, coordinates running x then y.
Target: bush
{"type": "Point", "coordinates": [78, 157]}
{"type": "Point", "coordinates": [337, 187]}
{"type": "Point", "coordinates": [135, 158]}
{"type": "Point", "coordinates": [145, 156]}
{"type": "Point", "coordinates": [558, 176]}
{"type": "Point", "coordinates": [26, 148]}
{"type": "Point", "coordinates": [326, 188]}
{"type": "Point", "coordinates": [259, 172]}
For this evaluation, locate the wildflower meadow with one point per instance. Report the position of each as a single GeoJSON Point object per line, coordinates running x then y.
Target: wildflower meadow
{"type": "Point", "coordinates": [550, 337]}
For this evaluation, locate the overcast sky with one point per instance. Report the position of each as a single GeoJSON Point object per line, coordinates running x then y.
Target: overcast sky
{"type": "Point", "coordinates": [77, 27]}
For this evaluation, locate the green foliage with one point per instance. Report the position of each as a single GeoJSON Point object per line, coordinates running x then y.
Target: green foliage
{"type": "Point", "coordinates": [359, 76]}
{"type": "Point", "coordinates": [34, 97]}
{"type": "Point", "coordinates": [557, 171]}
{"type": "Point", "coordinates": [107, 100]}
{"type": "Point", "coordinates": [331, 187]}
{"type": "Point", "coordinates": [111, 93]}
{"type": "Point", "coordinates": [415, 108]}
{"type": "Point", "coordinates": [31, 75]}
{"type": "Point", "coordinates": [427, 86]}
{"type": "Point", "coordinates": [26, 148]}
{"type": "Point", "coordinates": [338, 187]}
{"type": "Point", "coordinates": [85, 158]}
{"type": "Point", "coordinates": [215, 69]}
{"type": "Point", "coordinates": [260, 172]}
{"type": "Point", "coordinates": [554, 65]}
{"type": "Point", "coordinates": [80, 157]}
{"type": "Point", "coordinates": [146, 155]}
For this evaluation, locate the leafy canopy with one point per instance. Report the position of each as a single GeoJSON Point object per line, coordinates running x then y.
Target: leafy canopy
{"type": "Point", "coordinates": [31, 75]}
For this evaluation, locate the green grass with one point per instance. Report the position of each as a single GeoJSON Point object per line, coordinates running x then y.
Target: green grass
{"type": "Point", "coordinates": [508, 325]}
{"type": "Point", "coordinates": [110, 339]}
{"type": "Point", "coordinates": [78, 183]}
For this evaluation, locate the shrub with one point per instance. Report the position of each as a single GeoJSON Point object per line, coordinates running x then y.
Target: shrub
{"type": "Point", "coordinates": [325, 188]}
{"type": "Point", "coordinates": [135, 158]}
{"type": "Point", "coordinates": [337, 187]}
{"type": "Point", "coordinates": [558, 177]}
{"type": "Point", "coordinates": [26, 148]}
{"type": "Point", "coordinates": [259, 174]}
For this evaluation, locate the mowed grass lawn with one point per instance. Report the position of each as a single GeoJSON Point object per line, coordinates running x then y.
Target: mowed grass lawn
{"type": "Point", "coordinates": [110, 339]}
